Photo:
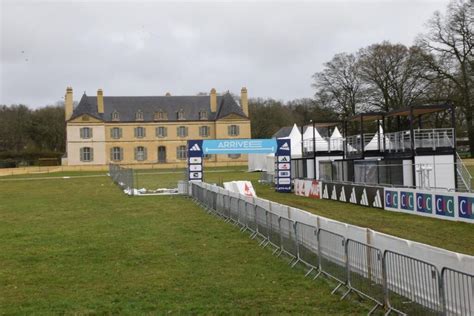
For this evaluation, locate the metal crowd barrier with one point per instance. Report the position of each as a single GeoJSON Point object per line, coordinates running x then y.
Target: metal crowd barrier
{"type": "Point", "coordinates": [458, 292]}
{"type": "Point", "coordinates": [394, 282]}
{"type": "Point", "coordinates": [121, 176]}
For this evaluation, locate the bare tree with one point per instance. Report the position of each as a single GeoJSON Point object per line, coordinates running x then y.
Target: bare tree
{"type": "Point", "coordinates": [394, 75]}
{"type": "Point", "coordinates": [448, 47]}
{"type": "Point", "coordinates": [338, 85]}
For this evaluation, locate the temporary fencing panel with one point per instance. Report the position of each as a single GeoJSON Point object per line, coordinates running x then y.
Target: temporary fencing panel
{"type": "Point", "coordinates": [459, 292]}
{"type": "Point", "coordinates": [332, 261]}
{"type": "Point", "coordinates": [413, 286]}
{"type": "Point", "coordinates": [261, 219]}
{"type": "Point", "coordinates": [365, 271]}
{"type": "Point", "coordinates": [398, 282]}
{"type": "Point", "coordinates": [307, 245]}
{"type": "Point", "coordinates": [288, 237]}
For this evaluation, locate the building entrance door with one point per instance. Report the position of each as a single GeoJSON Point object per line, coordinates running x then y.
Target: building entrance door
{"type": "Point", "coordinates": [162, 154]}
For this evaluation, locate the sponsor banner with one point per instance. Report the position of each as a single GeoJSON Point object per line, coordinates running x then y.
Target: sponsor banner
{"type": "Point", "coordinates": [444, 205]}
{"type": "Point", "coordinates": [195, 160]}
{"type": "Point", "coordinates": [356, 194]}
{"type": "Point", "coordinates": [407, 201]}
{"type": "Point", "coordinates": [464, 207]}
{"type": "Point", "coordinates": [439, 204]}
{"type": "Point", "coordinates": [286, 159]}
{"type": "Point", "coordinates": [308, 188]}
{"type": "Point", "coordinates": [283, 165]}
{"type": "Point", "coordinates": [424, 203]}
{"type": "Point", "coordinates": [391, 199]}
{"type": "Point", "coordinates": [242, 187]}
{"type": "Point", "coordinates": [195, 167]}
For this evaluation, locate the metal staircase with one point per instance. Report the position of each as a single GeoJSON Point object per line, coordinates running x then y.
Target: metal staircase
{"type": "Point", "coordinates": [463, 176]}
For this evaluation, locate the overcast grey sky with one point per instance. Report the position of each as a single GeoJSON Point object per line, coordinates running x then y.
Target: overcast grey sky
{"type": "Point", "coordinates": [151, 47]}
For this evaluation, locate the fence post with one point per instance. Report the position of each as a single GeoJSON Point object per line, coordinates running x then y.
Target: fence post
{"type": "Point", "coordinates": [441, 292]}
{"type": "Point", "coordinates": [316, 232]}
{"type": "Point", "coordinates": [295, 228]}
{"type": "Point", "coordinates": [385, 285]}
{"type": "Point", "coordinates": [281, 236]}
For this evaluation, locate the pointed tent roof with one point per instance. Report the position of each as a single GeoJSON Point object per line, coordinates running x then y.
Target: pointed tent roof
{"type": "Point", "coordinates": [336, 140]}
{"type": "Point", "coordinates": [374, 142]}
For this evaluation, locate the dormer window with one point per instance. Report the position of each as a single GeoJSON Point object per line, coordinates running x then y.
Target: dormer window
{"type": "Point", "coordinates": [139, 115]}
{"type": "Point", "coordinates": [115, 116]}
{"type": "Point", "coordinates": [203, 115]}
{"type": "Point", "coordinates": [180, 115]}
{"type": "Point", "coordinates": [159, 116]}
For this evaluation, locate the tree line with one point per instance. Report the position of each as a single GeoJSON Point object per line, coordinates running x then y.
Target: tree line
{"type": "Point", "coordinates": [438, 67]}
{"type": "Point", "coordinates": [31, 134]}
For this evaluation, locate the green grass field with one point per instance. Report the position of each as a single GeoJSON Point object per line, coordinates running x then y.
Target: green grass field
{"type": "Point", "coordinates": [80, 246]}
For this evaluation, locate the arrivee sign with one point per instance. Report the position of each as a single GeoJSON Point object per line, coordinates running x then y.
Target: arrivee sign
{"type": "Point", "coordinates": [198, 148]}
{"type": "Point", "coordinates": [239, 146]}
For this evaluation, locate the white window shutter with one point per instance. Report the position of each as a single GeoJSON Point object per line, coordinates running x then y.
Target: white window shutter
{"type": "Point", "coordinates": [90, 132]}
{"type": "Point", "coordinates": [120, 132]}
{"type": "Point", "coordinates": [229, 130]}
{"type": "Point", "coordinates": [81, 154]}
{"type": "Point", "coordinates": [121, 153]}
{"type": "Point", "coordinates": [237, 129]}
{"type": "Point", "coordinates": [165, 131]}
{"type": "Point", "coordinates": [92, 154]}
{"type": "Point", "coordinates": [112, 154]}
{"type": "Point", "coordinates": [112, 132]}
{"type": "Point", "coordinates": [186, 131]}
{"type": "Point", "coordinates": [81, 132]}
{"type": "Point", "coordinates": [144, 132]}
{"type": "Point", "coordinates": [136, 153]}
{"type": "Point", "coordinates": [145, 153]}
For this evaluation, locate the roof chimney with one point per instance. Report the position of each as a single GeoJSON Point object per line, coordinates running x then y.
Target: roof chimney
{"type": "Point", "coordinates": [244, 103]}
{"type": "Point", "coordinates": [68, 101]}
{"type": "Point", "coordinates": [100, 101]}
{"type": "Point", "coordinates": [213, 100]}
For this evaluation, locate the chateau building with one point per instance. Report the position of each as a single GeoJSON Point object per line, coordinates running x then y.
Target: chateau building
{"type": "Point", "coordinates": [151, 130]}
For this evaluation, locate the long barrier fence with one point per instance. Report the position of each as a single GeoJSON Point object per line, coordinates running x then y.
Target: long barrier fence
{"type": "Point", "coordinates": [393, 281]}
{"type": "Point", "coordinates": [145, 181]}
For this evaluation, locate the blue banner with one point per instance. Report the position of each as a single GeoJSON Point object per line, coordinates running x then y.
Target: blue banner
{"type": "Point", "coordinates": [239, 146]}
{"type": "Point", "coordinates": [283, 166]}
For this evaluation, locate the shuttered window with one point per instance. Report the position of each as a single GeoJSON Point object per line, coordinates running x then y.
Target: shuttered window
{"type": "Point", "coordinates": [86, 154]}
{"type": "Point", "coordinates": [116, 154]}
{"type": "Point", "coordinates": [140, 153]}
{"type": "Point", "coordinates": [182, 131]}
{"type": "Point", "coordinates": [140, 132]}
{"type": "Point", "coordinates": [116, 132]}
{"type": "Point", "coordinates": [85, 132]}
{"type": "Point", "coordinates": [161, 131]}
{"type": "Point", "coordinates": [204, 131]}
{"type": "Point", "coordinates": [233, 130]}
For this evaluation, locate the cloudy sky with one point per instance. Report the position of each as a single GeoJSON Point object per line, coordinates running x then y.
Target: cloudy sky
{"type": "Point", "coordinates": [151, 47]}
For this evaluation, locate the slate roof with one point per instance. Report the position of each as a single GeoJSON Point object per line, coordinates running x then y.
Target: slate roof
{"type": "Point", "coordinates": [127, 107]}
